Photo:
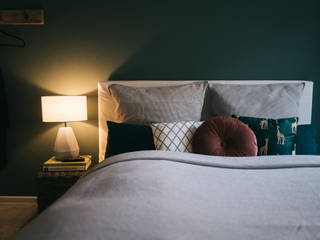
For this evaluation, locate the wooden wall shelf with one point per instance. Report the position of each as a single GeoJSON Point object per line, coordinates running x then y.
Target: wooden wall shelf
{"type": "Point", "coordinates": [22, 17]}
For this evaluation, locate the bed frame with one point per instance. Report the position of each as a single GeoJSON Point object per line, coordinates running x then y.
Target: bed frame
{"type": "Point", "coordinates": [305, 110]}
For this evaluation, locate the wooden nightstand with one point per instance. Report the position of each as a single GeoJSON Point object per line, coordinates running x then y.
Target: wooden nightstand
{"type": "Point", "coordinates": [52, 185]}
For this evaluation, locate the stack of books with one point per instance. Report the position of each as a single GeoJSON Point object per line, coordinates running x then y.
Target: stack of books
{"type": "Point", "coordinates": [81, 164]}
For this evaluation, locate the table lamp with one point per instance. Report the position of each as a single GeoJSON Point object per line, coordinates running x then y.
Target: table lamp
{"type": "Point", "coordinates": [64, 109]}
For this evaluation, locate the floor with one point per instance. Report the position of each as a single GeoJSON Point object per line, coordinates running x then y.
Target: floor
{"type": "Point", "coordinates": [14, 216]}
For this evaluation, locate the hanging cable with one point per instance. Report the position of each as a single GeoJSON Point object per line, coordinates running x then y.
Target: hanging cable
{"type": "Point", "coordinates": [22, 44]}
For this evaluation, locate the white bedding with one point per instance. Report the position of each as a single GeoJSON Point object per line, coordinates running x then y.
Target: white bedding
{"type": "Point", "coordinates": [172, 195]}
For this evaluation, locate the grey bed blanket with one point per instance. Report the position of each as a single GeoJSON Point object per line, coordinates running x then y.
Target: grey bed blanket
{"type": "Point", "coordinates": [170, 195]}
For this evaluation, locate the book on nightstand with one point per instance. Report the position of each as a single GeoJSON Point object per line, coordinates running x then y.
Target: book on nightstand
{"type": "Point", "coordinates": [53, 165]}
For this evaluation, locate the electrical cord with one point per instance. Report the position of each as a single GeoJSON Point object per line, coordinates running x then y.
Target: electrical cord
{"type": "Point", "coordinates": [23, 43]}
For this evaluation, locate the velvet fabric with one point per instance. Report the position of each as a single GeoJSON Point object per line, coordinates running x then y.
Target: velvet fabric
{"type": "Point", "coordinates": [124, 137]}
{"type": "Point", "coordinates": [224, 136]}
{"type": "Point", "coordinates": [274, 136]}
{"type": "Point", "coordinates": [306, 143]}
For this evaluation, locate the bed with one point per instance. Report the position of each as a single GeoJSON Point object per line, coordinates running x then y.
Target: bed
{"type": "Point", "coordinates": [179, 195]}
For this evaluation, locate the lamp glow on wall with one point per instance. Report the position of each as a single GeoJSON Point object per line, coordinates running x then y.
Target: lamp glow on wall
{"type": "Point", "coordinates": [64, 109]}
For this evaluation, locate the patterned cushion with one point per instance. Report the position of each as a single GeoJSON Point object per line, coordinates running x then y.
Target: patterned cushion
{"type": "Point", "coordinates": [175, 136]}
{"type": "Point", "coordinates": [274, 136]}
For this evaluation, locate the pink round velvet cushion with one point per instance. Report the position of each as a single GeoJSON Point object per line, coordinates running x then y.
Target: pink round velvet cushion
{"type": "Point", "coordinates": [224, 136]}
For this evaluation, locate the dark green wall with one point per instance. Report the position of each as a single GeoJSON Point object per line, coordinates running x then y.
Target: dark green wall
{"type": "Point", "coordinates": [84, 42]}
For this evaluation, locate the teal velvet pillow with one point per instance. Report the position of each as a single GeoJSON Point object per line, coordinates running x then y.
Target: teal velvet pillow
{"type": "Point", "coordinates": [307, 140]}
{"type": "Point", "coordinates": [124, 137]}
{"type": "Point", "coordinates": [274, 136]}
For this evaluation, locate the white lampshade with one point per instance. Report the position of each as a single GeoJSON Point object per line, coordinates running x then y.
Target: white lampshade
{"type": "Point", "coordinates": [64, 108]}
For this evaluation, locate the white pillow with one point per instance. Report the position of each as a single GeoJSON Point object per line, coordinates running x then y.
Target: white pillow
{"type": "Point", "coordinates": [174, 136]}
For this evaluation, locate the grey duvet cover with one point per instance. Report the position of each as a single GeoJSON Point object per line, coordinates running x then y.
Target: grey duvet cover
{"type": "Point", "coordinates": [167, 195]}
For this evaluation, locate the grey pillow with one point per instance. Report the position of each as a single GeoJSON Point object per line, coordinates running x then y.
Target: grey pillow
{"type": "Point", "coordinates": [158, 104]}
{"type": "Point", "coordinates": [277, 100]}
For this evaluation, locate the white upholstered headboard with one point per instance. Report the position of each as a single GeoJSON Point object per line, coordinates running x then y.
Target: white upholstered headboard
{"type": "Point", "coordinates": [305, 108]}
